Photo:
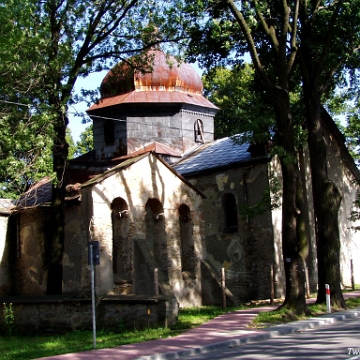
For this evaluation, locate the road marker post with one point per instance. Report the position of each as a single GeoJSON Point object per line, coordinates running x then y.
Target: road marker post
{"type": "Point", "coordinates": [328, 304]}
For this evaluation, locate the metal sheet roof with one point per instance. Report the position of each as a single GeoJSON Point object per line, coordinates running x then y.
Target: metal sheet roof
{"type": "Point", "coordinates": [6, 206]}
{"type": "Point", "coordinates": [218, 154]}
{"type": "Point", "coordinates": [155, 96]}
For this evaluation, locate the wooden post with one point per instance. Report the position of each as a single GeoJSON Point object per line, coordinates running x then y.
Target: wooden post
{"type": "Point", "coordinates": [223, 286]}
{"type": "Point", "coordinates": [156, 281]}
{"type": "Point", "coordinates": [307, 282]}
{"type": "Point", "coordinates": [272, 285]}
{"type": "Point", "coordinates": [352, 274]}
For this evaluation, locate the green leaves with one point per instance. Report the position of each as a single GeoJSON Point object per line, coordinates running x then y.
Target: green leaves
{"type": "Point", "coordinates": [243, 106]}
{"type": "Point", "coordinates": [44, 47]}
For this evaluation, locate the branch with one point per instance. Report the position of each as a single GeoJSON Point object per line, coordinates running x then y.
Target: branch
{"type": "Point", "coordinates": [250, 41]}
{"type": "Point", "coordinates": [293, 41]}
{"type": "Point", "coordinates": [270, 31]}
{"type": "Point", "coordinates": [329, 37]}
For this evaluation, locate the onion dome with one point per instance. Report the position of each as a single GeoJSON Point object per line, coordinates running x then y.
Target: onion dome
{"type": "Point", "coordinates": [162, 73]}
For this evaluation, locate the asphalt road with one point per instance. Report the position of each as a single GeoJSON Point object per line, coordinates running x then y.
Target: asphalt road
{"type": "Point", "coordinates": [337, 341]}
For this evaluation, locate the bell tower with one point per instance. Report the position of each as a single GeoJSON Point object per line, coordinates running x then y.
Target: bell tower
{"type": "Point", "coordinates": [162, 104]}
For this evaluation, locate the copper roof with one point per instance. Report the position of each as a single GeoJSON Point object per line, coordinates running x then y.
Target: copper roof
{"type": "Point", "coordinates": [156, 147]}
{"type": "Point", "coordinates": [152, 71]}
{"type": "Point", "coordinates": [136, 97]}
{"type": "Point", "coordinates": [165, 81]}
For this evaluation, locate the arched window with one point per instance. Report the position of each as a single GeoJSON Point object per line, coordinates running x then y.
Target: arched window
{"type": "Point", "coordinates": [199, 131]}
{"type": "Point", "coordinates": [188, 255]}
{"type": "Point", "coordinates": [109, 136]}
{"type": "Point", "coordinates": [155, 233]}
{"type": "Point", "coordinates": [122, 261]}
{"type": "Point", "coordinates": [230, 212]}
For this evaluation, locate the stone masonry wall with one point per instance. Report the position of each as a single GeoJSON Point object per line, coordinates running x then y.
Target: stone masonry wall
{"type": "Point", "coordinates": [147, 179]}
{"type": "Point", "coordinates": [247, 253]}
{"type": "Point", "coordinates": [59, 314]}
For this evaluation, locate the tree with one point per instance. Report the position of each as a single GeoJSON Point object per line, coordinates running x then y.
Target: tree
{"type": "Point", "coordinates": [268, 31]}
{"type": "Point", "coordinates": [25, 129]}
{"type": "Point", "coordinates": [244, 106]}
{"type": "Point", "coordinates": [86, 142]}
{"type": "Point", "coordinates": [327, 49]}
{"type": "Point", "coordinates": [71, 39]}
{"type": "Point", "coordinates": [315, 35]}
{"type": "Point", "coordinates": [71, 144]}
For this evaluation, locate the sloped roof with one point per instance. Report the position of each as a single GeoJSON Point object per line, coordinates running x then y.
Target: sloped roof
{"type": "Point", "coordinates": [223, 153]}
{"type": "Point", "coordinates": [6, 206]}
{"type": "Point", "coordinates": [156, 147]}
{"type": "Point", "coordinates": [148, 97]}
{"type": "Point", "coordinates": [40, 193]}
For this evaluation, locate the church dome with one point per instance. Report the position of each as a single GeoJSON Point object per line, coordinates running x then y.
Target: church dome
{"type": "Point", "coordinates": [164, 73]}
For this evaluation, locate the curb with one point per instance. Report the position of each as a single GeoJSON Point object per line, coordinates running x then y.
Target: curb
{"type": "Point", "coordinates": [268, 333]}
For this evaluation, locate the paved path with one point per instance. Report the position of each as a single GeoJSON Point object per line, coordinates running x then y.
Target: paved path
{"type": "Point", "coordinates": [226, 330]}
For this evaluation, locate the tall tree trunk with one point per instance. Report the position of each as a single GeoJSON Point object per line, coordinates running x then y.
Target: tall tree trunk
{"type": "Point", "coordinates": [327, 200]}
{"type": "Point", "coordinates": [56, 244]}
{"type": "Point", "coordinates": [326, 196]}
{"type": "Point", "coordinates": [291, 244]}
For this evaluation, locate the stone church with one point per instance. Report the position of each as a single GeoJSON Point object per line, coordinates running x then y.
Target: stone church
{"type": "Point", "coordinates": [161, 196]}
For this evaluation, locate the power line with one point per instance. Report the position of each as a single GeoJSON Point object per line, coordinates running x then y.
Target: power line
{"type": "Point", "coordinates": [69, 112]}
{"type": "Point", "coordinates": [104, 117]}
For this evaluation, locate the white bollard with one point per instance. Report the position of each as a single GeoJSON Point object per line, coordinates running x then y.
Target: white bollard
{"type": "Point", "coordinates": [328, 305]}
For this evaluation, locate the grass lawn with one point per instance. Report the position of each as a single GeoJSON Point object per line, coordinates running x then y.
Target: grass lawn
{"type": "Point", "coordinates": [34, 346]}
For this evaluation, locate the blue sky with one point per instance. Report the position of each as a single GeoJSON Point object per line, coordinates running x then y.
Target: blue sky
{"type": "Point", "coordinates": [91, 82]}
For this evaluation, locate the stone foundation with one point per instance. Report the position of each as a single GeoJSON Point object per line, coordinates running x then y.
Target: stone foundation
{"type": "Point", "coordinates": [59, 314]}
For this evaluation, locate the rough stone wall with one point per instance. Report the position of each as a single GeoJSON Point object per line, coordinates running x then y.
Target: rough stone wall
{"type": "Point", "coordinates": [279, 273]}
{"type": "Point", "coordinates": [60, 315]}
{"type": "Point", "coordinates": [30, 276]}
{"type": "Point", "coordinates": [341, 175]}
{"type": "Point", "coordinates": [75, 254]}
{"type": "Point", "coordinates": [116, 148]}
{"type": "Point", "coordinates": [144, 180]}
{"type": "Point", "coordinates": [165, 123]}
{"type": "Point", "coordinates": [311, 262]}
{"type": "Point", "coordinates": [188, 118]}
{"type": "Point", "coordinates": [246, 253]}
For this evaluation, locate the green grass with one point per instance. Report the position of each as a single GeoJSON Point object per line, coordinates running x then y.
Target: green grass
{"type": "Point", "coordinates": [281, 316]}
{"type": "Point", "coordinates": [34, 346]}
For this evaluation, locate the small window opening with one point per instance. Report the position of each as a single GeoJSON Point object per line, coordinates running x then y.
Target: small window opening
{"type": "Point", "coordinates": [230, 212]}
{"type": "Point", "coordinates": [199, 131]}
{"type": "Point", "coordinates": [109, 132]}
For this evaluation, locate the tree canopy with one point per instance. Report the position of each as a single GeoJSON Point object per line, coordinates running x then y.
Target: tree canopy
{"type": "Point", "coordinates": [286, 39]}
{"type": "Point", "coordinates": [50, 45]}
{"type": "Point", "coordinates": [243, 105]}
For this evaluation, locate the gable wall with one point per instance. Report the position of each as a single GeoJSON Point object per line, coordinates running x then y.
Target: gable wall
{"type": "Point", "coordinates": [144, 180]}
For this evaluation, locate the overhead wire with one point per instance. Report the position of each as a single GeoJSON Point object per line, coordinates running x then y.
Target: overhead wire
{"type": "Point", "coordinates": [69, 112]}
